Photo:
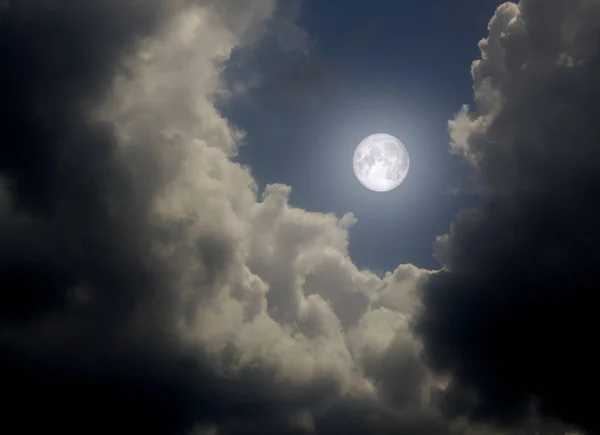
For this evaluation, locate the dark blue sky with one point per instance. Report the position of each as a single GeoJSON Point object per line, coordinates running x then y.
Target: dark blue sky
{"type": "Point", "coordinates": [399, 67]}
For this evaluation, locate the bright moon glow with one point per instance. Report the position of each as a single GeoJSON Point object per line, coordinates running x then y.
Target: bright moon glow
{"type": "Point", "coordinates": [381, 162]}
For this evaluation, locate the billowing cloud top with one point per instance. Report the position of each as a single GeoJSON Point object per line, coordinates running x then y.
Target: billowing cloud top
{"type": "Point", "coordinates": [148, 287]}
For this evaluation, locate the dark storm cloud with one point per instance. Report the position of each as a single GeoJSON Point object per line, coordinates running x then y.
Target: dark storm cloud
{"type": "Point", "coordinates": [82, 347]}
{"type": "Point", "coordinates": [58, 58]}
{"type": "Point", "coordinates": [512, 317]}
{"type": "Point", "coordinates": [354, 417]}
{"type": "Point", "coordinates": [71, 270]}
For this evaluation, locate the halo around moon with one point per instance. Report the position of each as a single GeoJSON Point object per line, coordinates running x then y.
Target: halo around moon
{"type": "Point", "coordinates": [381, 162]}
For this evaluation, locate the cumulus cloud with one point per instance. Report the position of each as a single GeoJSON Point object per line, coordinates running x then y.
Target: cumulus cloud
{"type": "Point", "coordinates": [147, 286]}
{"type": "Point", "coordinates": [511, 315]}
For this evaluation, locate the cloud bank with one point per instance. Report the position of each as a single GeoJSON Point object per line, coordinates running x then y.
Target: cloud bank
{"type": "Point", "coordinates": [511, 317]}
{"type": "Point", "coordinates": [149, 287]}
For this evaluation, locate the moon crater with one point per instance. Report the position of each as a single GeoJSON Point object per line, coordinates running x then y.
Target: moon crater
{"type": "Point", "coordinates": [381, 162]}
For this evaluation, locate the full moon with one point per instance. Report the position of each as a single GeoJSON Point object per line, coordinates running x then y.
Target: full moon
{"type": "Point", "coordinates": [381, 162]}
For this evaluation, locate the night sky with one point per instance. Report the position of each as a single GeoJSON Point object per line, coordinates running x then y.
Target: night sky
{"type": "Point", "coordinates": [371, 67]}
{"type": "Point", "coordinates": [186, 250]}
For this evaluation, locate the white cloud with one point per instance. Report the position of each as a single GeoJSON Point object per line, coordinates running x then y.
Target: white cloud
{"type": "Point", "coordinates": [271, 282]}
